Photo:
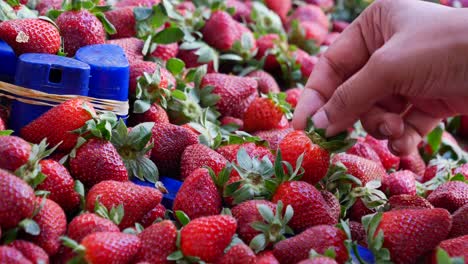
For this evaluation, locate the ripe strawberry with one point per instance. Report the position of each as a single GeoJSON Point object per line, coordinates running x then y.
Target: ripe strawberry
{"type": "Point", "coordinates": [389, 160]}
{"type": "Point", "coordinates": [185, 6]}
{"type": "Point", "coordinates": [236, 93]}
{"type": "Point", "coordinates": [318, 260]}
{"type": "Point", "coordinates": [246, 214]}
{"type": "Point", "coordinates": [157, 242]}
{"type": "Point", "coordinates": [455, 247]}
{"type": "Point", "coordinates": [198, 195]}
{"type": "Point", "coordinates": [310, 13]}
{"type": "Point", "coordinates": [222, 40]}
{"type": "Point", "coordinates": [110, 247]}
{"type": "Point", "coordinates": [207, 237]}
{"type": "Point", "coordinates": [306, 61]}
{"type": "Point", "coordinates": [362, 149]}
{"type": "Point", "coordinates": [280, 7]}
{"type": "Point", "coordinates": [14, 151]}
{"type": "Point", "coordinates": [430, 173]}
{"type": "Point", "coordinates": [311, 31]}
{"type": "Point", "coordinates": [197, 156]}
{"type": "Point", "coordinates": [266, 82]}
{"type": "Point", "coordinates": [191, 60]}
{"type": "Point", "coordinates": [293, 95]}
{"type": "Point", "coordinates": [89, 223]}
{"type": "Point", "coordinates": [156, 213]}
{"type": "Point", "coordinates": [266, 44]}
{"type": "Point", "coordinates": [310, 208]}
{"type": "Point", "coordinates": [80, 28]}
{"type": "Point", "coordinates": [155, 114]}
{"type": "Point", "coordinates": [132, 47]}
{"type": "Point", "coordinates": [460, 222]}
{"type": "Point", "coordinates": [450, 195]}
{"type": "Point", "coordinates": [331, 38]}
{"type": "Point", "coordinates": [136, 200]}
{"type": "Point", "coordinates": [228, 120]}
{"type": "Point", "coordinates": [253, 150]}
{"type": "Point", "coordinates": [32, 252]}
{"type": "Point", "coordinates": [16, 200]}
{"type": "Point", "coordinates": [319, 238]}
{"type": "Point", "coordinates": [239, 254]}
{"type": "Point", "coordinates": [358, 233]}
{"type": "Point", "coordinates": [400, 182]}
{"type": "Point", "coordinates": [267, 257]}
{"type": "Point", "coordinates": [59, 184]}
{"type": "Point", "coordinates": [44, 6]}
{"type": "Point", "coordinates": [12, 256]}
{"type": "Point", "coordinates": [30, 36]}
{"type": "Point", "coordinates": [414, 163]}
{"type": "Point", "coordinates": [165, 52]}
{"type": "Point", "coordinates": [57, 123]}
{"type": "Point", "coordinates": [52, 223]}
{"type": "Point", "coordinates": [339, 26]}
{"type": "Point", "coordinates": [124, 22]}
{"type": "Point", "coordinates": [406, 201]}
{"type": "Point", "coordinates": [170, 142]}
{"type": "Point", "coordinates": [462, 169]}
{"type": "Point", "coordinates": [136, 3]}
{"type": "Point", "coordinates": [266, 113]}
{"type": "Point", "coordinates": [410, 233]}
{"type": "Point", "coordinates": [363, 169]}
{"type": "Point", "coordinates": [242, 9]}
{"type": "Point", "coordinates": [274, 136]}
{"type": "Point", "coordinates": [332, 203]}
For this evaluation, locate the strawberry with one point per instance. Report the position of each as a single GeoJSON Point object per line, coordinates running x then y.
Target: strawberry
{"type": "Point", "coordinates": [306, 61]}
{"type": "Point", "coordinates": [406, 201]}
{"type": "Point", "coordinates": [362, 149]}
{"type": "Point", "coordinates": [332, 203]}
{"type": "Point", "coordinates": [170, 142]}
{"type": "Point", "coordinates": [3, 124]}
{"type": "Point", "coordinates": [266, 82]}
{"type": "Point", "coordinates": [12, 256]}
{"type": "Point", "coordinates": [16, 200]}
{"type": "Point", "coordinates": [239, 254]}
{"type": "Point", "coordinates": [450, 195]}
{"type": "Point", "coordinates": [57, 123]}
{"type": "Point", "coordinates": [59, 184]}
{"type": "Point", "coordinates": [246, 214]}
{"type": "Point", "coordinates": [293, 95]}
{"type": "Point", "coordinates": [358, 233]}
{"type": "Point", "coordinates": [280, 7]}
{"type": "Point", "coordinates": [363, 169]}
{"type": "Point", "coordinates": [236, 93]}
{"type": "Point", "coordinates": [463, 129]}
{"type": "Point", "coordinates": [389, 160]}
{"type": "Point", "coordinates": [309, 32]}
{"type": "Point", "coordinates": [185, 6]}
{"type": "Point", "coordinates": [430, 173]}
{"type": "Point", "coordinates": [110, 247]}
{"type": "Point", "coordinates": [266, 44]}
{"type": "Point", "coordinates": [30, 36]}
{"type": "Point", "coordinates": [253, 150]}
{"type": "Point", "coordinates": [89, 223]}
{"type": "Point", "coordinates": [32, 252]}
{"type": "Point", "coordinates": [274, 136]}
{"type": "Point", "coordinates": [324, 4]}
{"type": "Point", "coordinates": [136, 200]}
{"type": "Point", "coordinates": [228, 120]}
{"type": "Point", "coordinates": [331, 38]}
{"type": "Point", "coordinates": [207, 237]}
{"type": "Point", "coordinates": [137, 70]}
{"type": "Point", "coordinates": [44, 6]}
{"type": "Point", "coordinates": [192, 60]}
{"type": "Point", "coordinates": [14, 151]}
{"type": "Point", "coordinates": [136, 3]}
{"type": "Point", "coordinates": [166, 51]}
{"type": "Point", "coordinates": [400, 182]}
{"type": "Point", "coordinates": [155, 114]}
{"type": "Point", "coordinates": [242, 9]}
{"type": "Point", "coordinates": [310, 208]}
{"type": "Point", "coordinates": [460, 222]}
{"type": "Point", "coordinates": [358, 210]}
{"type": "Point", "coordinates": [222, 40]}
{"type": "Point", "coordinates": [462, 169]}
{"type": "Point", "coordinates": [319, 238]}
{"type": "Point", "coordinates": [407, 234]}
{"type": "Point", "coordinates": [132, 47]}
{"type": "Point", "coordinates": [156, 213]}
{"type": "Point", "coordinates": [197, 156]}
{"type": "Point", "coordinates": [310, 13]}
{"type": "Point", "coordinates": [52, 223]}
{"type": "Point", "coordinates": [455, 247]}
{"type": "Point", "coordinates": [157, 242]}
{"type": "Point", "coordinates": [198, 195]}
{"type": "Point", "coordinates": [267, 257]}
{"type": "Point", "coordinates": [318, 260]}
{"type": "Point", "coordinates": [124, 22]}
{"type": "Point", "coordinates": [97, 160]}
{"type": "Point", "coordinates": [339, 26]}
{"type": "Point", "coordinates": [266, 113]}
{"type": "Point", "coordinates": [414, 163]}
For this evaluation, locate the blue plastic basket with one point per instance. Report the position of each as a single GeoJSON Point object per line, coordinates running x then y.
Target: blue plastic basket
{"type": "Point", "coordinates": [8, 65]}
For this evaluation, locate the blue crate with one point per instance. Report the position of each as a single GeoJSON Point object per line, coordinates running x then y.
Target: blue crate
{"type": "Point", "coordinates": [8, 65]}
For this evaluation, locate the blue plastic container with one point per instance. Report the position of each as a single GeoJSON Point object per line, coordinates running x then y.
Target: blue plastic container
{"type": "Point", "coordinates": [365, 254]}
{"type": "Point", "coordinates": [171, 185]}
{"type": "Point", "coordinates": [46, 73]}
{"type": "Point", "coordinates": [8, 63]}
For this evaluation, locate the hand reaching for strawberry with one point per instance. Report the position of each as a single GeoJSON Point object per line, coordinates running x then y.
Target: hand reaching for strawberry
{"type": "Point", "coordinates": [400, 68]}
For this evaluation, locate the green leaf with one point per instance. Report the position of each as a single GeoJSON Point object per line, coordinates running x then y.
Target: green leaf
{"type": "Point", "coordinates": [178, 255]}
{"type": "Point", "coordinates": [30, 226]}
{"type": "Point", "coordinates": [141, 106]}
{"type": "Point", "coordinates": [6, 132]}
{"type": "Point", "coordinates": [110, 29]}
{"type": "Point", "coordinates": [434, 139]}
{"type": "Point", "coordinates": [175, 66]}
{"type": "Point", "coordinates": [258, 243]}
{"type": "Point", "coordinates": [169, 35]}
{"type": "Point", "coordinates": [182, 217]}
{"type": "Point", "coordinates": [232, 57]}
{"type": "Point", "coordinates": [243, 159]}
{"type": "Point", "coordinates": [266, 212]}
{"type": "Point", "coordinates": [142, 13]}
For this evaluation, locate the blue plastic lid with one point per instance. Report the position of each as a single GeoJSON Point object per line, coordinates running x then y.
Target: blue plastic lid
{"type": "Point", "coordinates": [110, 71]}
{"type": "Point", "coordinates": [8, 65]}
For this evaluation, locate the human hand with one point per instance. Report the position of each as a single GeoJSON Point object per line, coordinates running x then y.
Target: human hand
{"type": "Point", "coordinates": [400, 68]}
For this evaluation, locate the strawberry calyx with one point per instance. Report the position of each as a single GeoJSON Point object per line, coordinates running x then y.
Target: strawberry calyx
{"type": "Point", "coordinates": [222, 178]}
{"type": "Point", "coordinates": [279, 100]}
{"type": "Point", "coordinates": [149, 91]}
{"type": "Point", "coordinates": [375, 238]}
{"type": "Point", "coordinates": [115, 214]}
{"type": "Point", "coordinates": [351, 245]}
{"type": "Point", "coordinates": [273, 227]}
{"type": "Point", "coordinates": [335, 144]}
{"type": "Point", "coordinates": [444, 174]}
{"type": "Point", "coordinates": [443, 257]}
{"type": "Point", "coordinates": [177, 255]}
{"type": "Point", "coordinates": [264, 20]}
{"type": "Point", "coordinates": [370, 195]}
{"type": "Point", "coordinates": [210, 132]}
{"type": "Point", "coordinates": [240, 137]}
{"type": "Point", "coordinates": [297, 35]}
{"type": "Point", "coordinates": [76, 247]}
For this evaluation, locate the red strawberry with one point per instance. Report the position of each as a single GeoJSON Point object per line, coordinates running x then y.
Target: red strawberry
{"type": "Point", "coordinates": [265, 113]}
{"type": "Point", "coordinates": [320, 238]}
{"type": "Point", "coordinates": [165, 52]}
{"type": "Point", "coordinates": [406, 201]}
{"type": "Point", "coordinates": [253, 150]}
{"type": "Point", "coordinates": [358, 233]}
{"type": "Point", "coordinates": [185, 6]}
{"type": "Point", "coordinates": [266, 44]}
{"type": "Point", "coordinates": [318, 260]}
{"type": "Point", "coordinates": [266, 82]}
{"type": "Point", "coordinates": [310, 208]}
{"type": "Point", "coordinates": [170, 142]}
{"type": "Point", "coordinates": [222, 40]}
{"type": "Point", "coordinates": [430, 173]}
{"type": "Point", "coordinates": [60, 184]}
{"type": "Point", "coordinates": [110, 247]}
{"type": "Point", "coordinates": [198, 195]}
{"type": "Point", "coordinates": [132, 47]}
{"type": "Point", "coordinates": [14, 151]}
{"type": "Point", "coordinates": [363, 169]}
{"type": "Point", "coordinates": [137, 70]}
{"type": "Point", "coordinates": [362, 149]}
{"type": "Point", "coordinates": [246, 214]}
{"type": "Point", "coordinates": [239, 254]}
{"type": "Point", "coordinates": [460, 222]}
{"type": "Point", "coordinates": [400, 182]}
{"type": "Point", "coordinates": [310, 13]}
{"type": "Point", "coordinates": [12, 256]}
{"type": "Point", "coordinates": [339, 26]}
{"type": "Point", "coordinates": [236, 93]}
{"type": "Point", "coordinates": [57, 123]}
{"type": "Point", "coordinates": [455, 247]}
{"type": "Point", "coordinates": [324, 4]}
{"type": "Point", "coordinates": [450, 195]}
{"type": "Point", "coordinates": [280, 7]}
{"type": "Point", "coordinates": [313, 31]}
{"type": "Point", "coordinates": [293, 95]}
{"type": "Point", "coordinates": [228, 120]}
{"type": "Point", "coordinates": [124, 22]}
{"type": "Point", "coordinates": [44, 6]}
{"type": "Point", "coordinates": [207, 237]}
{"type": "Point", "coordinates": [156, 213]}
{"type": "Point", "coordinates": [80, 28]}
{"type": "Point", "coordinates": [136, 200]}
{"type": "Point", "coordinates": [414, 163]}
{"type": "Point", "coordinates": [389, 160]}
{"type": "Point", "coordinates": [463, 129]}
{"type": "Point", "coordinates": [267, 257]}
{"type": "Point", "coordinates": [242, 9]}
{"type": "Point", "coordinates": [135, 3]}
{"type": "Point", "coordinates": [89, 223]}
{"type": "Point", "coordinates": [410, 233]}
{"type": "Point", "coordinates": [331, 38]}
{"type": "Point", "coordinates": [157, 242]}
{"type": "Point", "coordinates": [274, 136]}
{"type": "Point", "coordinates": [191, 60]}
{"type": "Point", "coordinates": [155, 114]}
{"type": "Point", "coordinates": [97, 160]}
{"type": "Point", "coordinates": [462, 169]}
{"type": "Point", "coordinates": [358, 210]}
{"type": "Point", "coordinates": [197, 156]}
{"type": "Point", "coordinates": [306, 61]}
{"type": "Point", "coordinates": [332, 203]}
{"type": "Point", "coordinates": [16, 200]}
{"type": "Point", "coordinates": [32, 252]}
{"type": "Point", "coordinates": [53, 224]}
{"type": "Point", "coordinates": [30, 36]}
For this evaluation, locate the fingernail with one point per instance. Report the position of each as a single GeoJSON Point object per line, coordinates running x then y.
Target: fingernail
{"type": "Point", "coordinates": [385, 130]}
{"type": "Point", "coordinates": [320, 119]}
{"type": "Point", "coordinates": [395, 146]}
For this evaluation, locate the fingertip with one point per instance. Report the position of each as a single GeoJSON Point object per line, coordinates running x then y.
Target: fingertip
{"type": "Point", "coordinates": [406, 144]}
{"type": "Point", "coordinates": [309, 103]}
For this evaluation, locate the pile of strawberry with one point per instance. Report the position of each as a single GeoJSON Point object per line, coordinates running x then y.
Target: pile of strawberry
{"type": "Point", "coordinates": [213, 85]}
